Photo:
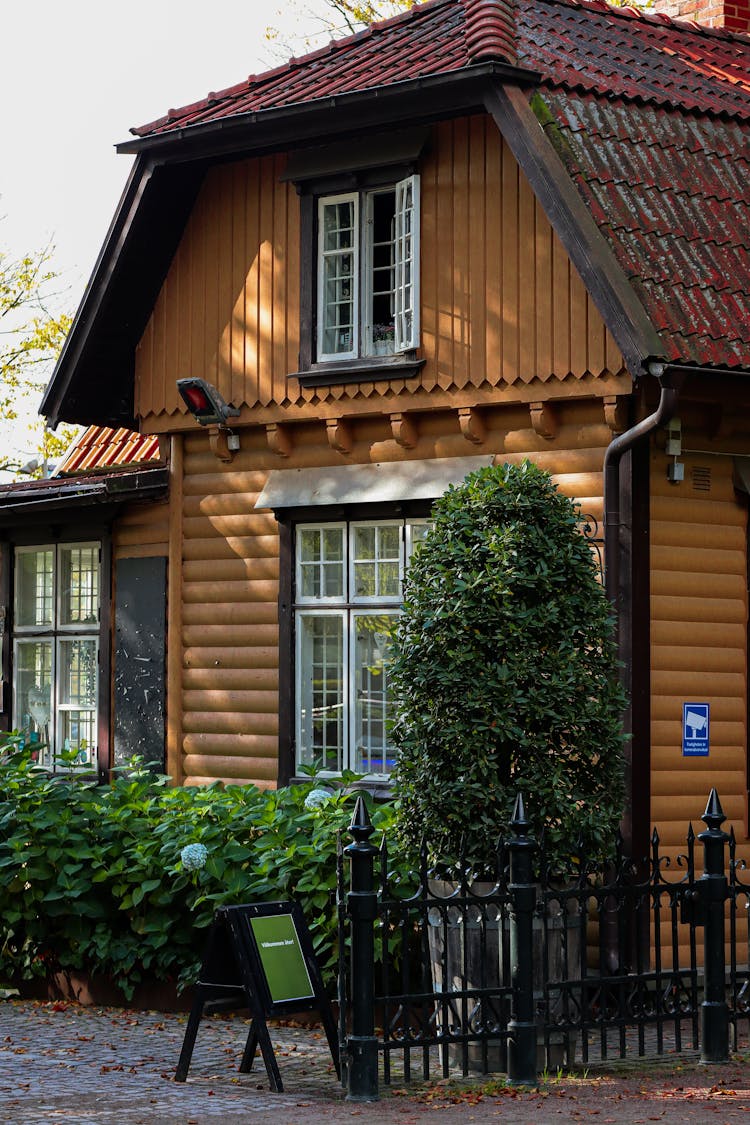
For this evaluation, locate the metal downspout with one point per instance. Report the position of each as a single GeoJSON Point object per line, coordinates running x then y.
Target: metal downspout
{"type": "Point", "coordinates": [613, 545]}
{"type": "Point", "coordinates": [612, 511]}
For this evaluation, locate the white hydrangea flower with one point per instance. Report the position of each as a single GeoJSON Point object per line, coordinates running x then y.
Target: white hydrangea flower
{"type": "Point", "coordinates": [317, 797]}
{"type": "Point", "coordinates": [194, 857]}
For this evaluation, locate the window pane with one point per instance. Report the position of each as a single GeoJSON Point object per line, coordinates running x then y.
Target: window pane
{"type": "Point", "coordinates": [373, 711]}
{"type": "Point", "coordinates": [321, 691]}
{"type": "Point", "coordinates": [77, 673]}
{"type": "Point", "coordinates": [320, 562]}
{"type": "Point", "coordinates": [338, 277]}
{"type": "Point", "coordinates": [78, 736]}
{"type": "Point", "coordinates": [79, 585]}
{"type": "Point", "coordinates": [34, 587]}
{"type": "Point", "coordinates": [381, 280]}
{"type": "Point", "coordinates": [416, 532]}
{"type": "Point", "coordinates": [33, 695]}
{"type": "Point", "coordinates": [377, 561]}
{"type": "Point", "coordinates": [406, 259]}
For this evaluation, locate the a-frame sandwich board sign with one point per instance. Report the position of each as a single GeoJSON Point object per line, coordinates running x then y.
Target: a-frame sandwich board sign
{"type": "Point", "coordinates": [260, 957]}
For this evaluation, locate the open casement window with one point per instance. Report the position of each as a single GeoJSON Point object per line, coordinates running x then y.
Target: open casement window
{"type": "Point", "coordinates": [56, 651]}
{"type": "Point", "coordinates": [368, 272]}
{"type": "Point", "coordinates": [348, 593]}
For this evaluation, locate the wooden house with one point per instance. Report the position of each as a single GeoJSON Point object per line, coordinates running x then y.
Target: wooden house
{"type": "Point", "coordinates": [482, 230]}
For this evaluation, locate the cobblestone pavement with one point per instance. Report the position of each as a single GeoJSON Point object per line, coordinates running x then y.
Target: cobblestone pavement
{"type": "Point", "coordinates": [63, 1063]}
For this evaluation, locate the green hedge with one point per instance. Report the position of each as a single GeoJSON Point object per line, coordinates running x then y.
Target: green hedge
{"type": "Point", "coordinates": [91, 876]}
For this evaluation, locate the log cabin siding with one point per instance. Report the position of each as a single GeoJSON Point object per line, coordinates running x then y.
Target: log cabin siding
{"type": "Point", "coordinates": [226, 713]}
{"type": "Point", "coordinates": [501, 302]}
{"type": "Point", "coordinates": [141, 531]}
{"type": "Point", "coordinates": [699, 611]}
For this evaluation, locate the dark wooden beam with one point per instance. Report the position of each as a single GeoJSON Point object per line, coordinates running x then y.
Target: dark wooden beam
{"type": "Point", "coordinates": [572, 221]}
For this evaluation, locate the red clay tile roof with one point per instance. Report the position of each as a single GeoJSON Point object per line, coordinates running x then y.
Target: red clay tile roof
{"type": "Point", "coordinates": [575, 44]}
{"type": "Point", "coordinates": [669, 192]}
{"type": "Point", "coordinates": [100, 447]}
{"type": "Point", "coordinates": [650, 116]}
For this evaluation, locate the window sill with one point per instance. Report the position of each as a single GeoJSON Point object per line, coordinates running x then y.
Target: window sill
{"type": "Point", "coordinates": [380, 788]}
{"type": "Point", "coordinates": [370, 370]}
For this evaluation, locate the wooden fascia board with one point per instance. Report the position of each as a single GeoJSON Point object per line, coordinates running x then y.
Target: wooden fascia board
{"type": "Point", "coordinates": [572, 221]}
{"type": "Point", "coordinates": [98, 352]}
{"type": "Point", "coordinates": [85, 320]}
{"type": "Point", "coordinates": [423, 99]}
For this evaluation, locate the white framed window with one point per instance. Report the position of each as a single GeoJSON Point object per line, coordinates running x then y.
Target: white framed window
{"type": "Point", "coordinates": [349, 588]}
{"type": "Point", "coordinates": [368, 272]}
{"type": "Point", "coordinates": [56, 651]}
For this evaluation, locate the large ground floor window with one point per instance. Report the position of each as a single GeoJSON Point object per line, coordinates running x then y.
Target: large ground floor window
{"type": "Point", "coordinates": [348, 592]}
{"type": "Point", "coordinates": [56, 651]}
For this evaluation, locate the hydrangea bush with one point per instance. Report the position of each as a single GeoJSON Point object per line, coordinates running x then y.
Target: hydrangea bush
{"type": "Point", "coordinates": [122, 880]}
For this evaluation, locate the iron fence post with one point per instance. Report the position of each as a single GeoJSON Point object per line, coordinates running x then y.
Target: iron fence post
{"type": "Point", "coordinates": [362, 1044]}
{"type": "Point", "coordinates": [522, 1025]}
{"type": "Point", "coordinates": [712, 887]}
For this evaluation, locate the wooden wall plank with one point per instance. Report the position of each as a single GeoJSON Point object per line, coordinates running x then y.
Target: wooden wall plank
{"type": "Point", "coordinates": [698, 642]}
{"type": "Point", "coordinates": [492, 321]}
{"type": "Point", "coordinates": [445, 249]}
{"type": "Point", "coordinates": [510, 300]}
{"type": "Point", "coordinates": [495, 284]}
{"type": "Point", "coordinates": [527, 283]}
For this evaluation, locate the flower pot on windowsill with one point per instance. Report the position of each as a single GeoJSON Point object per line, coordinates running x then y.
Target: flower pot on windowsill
{"type": "Point", "coordinates": [382, 347]}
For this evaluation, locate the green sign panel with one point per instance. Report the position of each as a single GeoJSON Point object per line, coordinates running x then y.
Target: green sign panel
{"type": "Point", "coordinates": [282, 959]}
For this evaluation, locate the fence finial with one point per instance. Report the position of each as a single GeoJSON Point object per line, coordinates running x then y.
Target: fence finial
{"type": "Point", "coordinates": [361, 825]}
{"type": "Point", "coordinates": [714, 816]}
{"type": "Point", "coordinates": [519, 822]}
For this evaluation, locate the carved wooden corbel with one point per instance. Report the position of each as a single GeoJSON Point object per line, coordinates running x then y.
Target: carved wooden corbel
{"type": "Point", "coordinates": [615, 414]}
{"type": "Point", "coordinates": [472, 424]}
{"type": "Point", "coordinates": [404, 430]}
{"type": "Point", "coordinates": [217, 439]}
{"type": "Point", "coordinates": [279, 441]}
{"type": "Point", "coordinates": [544, 419]}
{"type": "Point", "coordinates": [339, 435]}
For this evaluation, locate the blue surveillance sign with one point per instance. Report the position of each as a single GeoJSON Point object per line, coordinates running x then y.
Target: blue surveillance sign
{"type": "Point", "coordinates": [695, 730]}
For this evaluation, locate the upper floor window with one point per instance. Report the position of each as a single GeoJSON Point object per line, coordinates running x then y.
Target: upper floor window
{"type": "Point", "coordinates": [368, 272]}
{"type": "Point", "coordinates": [56, 650]}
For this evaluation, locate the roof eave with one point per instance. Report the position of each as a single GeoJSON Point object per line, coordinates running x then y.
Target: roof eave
{"type": "Point", "coordinates": [212, 138]}
{"type": "Point", "coordinates": [618, 304]}
{"type": "Point", "coordinates": [430, 98]}
{"type": "Point", "coordinates": [73, 494]}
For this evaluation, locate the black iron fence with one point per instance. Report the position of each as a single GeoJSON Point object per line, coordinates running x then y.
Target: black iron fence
{"type": "Point", "coordinates": [521, 971]}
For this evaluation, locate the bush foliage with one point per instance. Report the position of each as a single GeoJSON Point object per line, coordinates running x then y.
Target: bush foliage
{"type": "Point", "coordinates": [505, 675]}
{"type": "Point", "coordinates": [91, 877]}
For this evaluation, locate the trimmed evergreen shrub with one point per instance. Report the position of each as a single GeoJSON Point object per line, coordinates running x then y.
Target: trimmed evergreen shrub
{"type": "Point", "coordinates": [505, 675]}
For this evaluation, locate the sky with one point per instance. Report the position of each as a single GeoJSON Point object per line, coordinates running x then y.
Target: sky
{"type": "Point", "coordinates": [76, 75]}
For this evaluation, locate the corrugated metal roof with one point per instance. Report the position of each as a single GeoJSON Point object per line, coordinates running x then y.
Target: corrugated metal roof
{"type": "Point", "coordinates": [101, 447]}
{"type": "Point", "coordinates": [575, 44]}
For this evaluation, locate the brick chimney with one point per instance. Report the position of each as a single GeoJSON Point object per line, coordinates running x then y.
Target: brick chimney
{"type": "Point", "coordinates": [734, 15]}
{"type": "Point", "coordinates": [490, 29]}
